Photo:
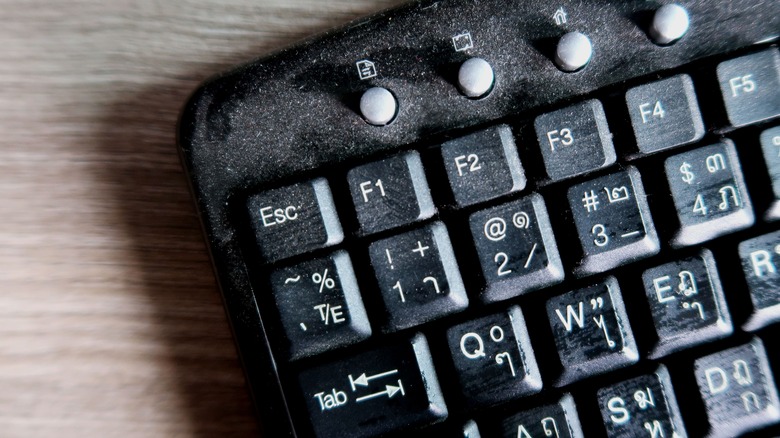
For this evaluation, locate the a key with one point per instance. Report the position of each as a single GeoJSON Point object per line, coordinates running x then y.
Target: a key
{"type": "Point", "coordinates": [591, 331]}
{"type": "Point", "coordinates": [483, 165]}
{"type": "Point", "coordinates": [494, 358]}
{"type": "Point", "coordinates": [665, 114]}
{"type": "Point", "coordinates": [687, 303]}
{"type": "Point", "coordinates": [575, 140]}
{"type": "Point", "coordinates": [761, 261]}
{"type": "Point", "coordinates": [770, 146]}
{"type": "Point", "coordinates": [319, 305]}
{"type": "Point", "coordinates": [390, 193]}
{"type": "Point", "coordinates": [709, 193]}
{"type": "Point", "coordinates": [384, 390]}
{"type": "Point", "coordinates": [418, 276]}
{"type": "Point", "coordinates": [516, 248]}
{"type": "Point", "coordinates": [642, 406]}
{"type": "Point", "coordinates": [295, 219]}
{"type": "Point", "coordinates": [554, 420]}
{"type": "Point", "coordinates": [750, 86]}
{"type": "Point", "coordinates": [613, 221]}
{"type": "Point", "coordinates": [738, 389]}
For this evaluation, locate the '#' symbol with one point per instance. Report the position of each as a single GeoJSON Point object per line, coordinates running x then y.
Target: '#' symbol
{"type": "Point", "coordinates": [591, 201]}
{"type": "Point", "coordinates": [366, 69]}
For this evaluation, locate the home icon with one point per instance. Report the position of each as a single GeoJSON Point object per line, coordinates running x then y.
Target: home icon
{"type": "Point", "coordinates": [560, 16]}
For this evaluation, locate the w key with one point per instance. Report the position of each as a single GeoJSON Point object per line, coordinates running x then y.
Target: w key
{"type": "Point", "coordinates": [591, 331]}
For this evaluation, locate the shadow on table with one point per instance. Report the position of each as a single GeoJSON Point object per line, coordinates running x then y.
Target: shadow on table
{"type": "Point", "coordinates": [139, 161]}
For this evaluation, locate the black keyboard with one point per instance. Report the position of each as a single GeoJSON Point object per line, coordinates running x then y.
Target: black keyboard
{"type": "Point", "coordinates": [503, 218]}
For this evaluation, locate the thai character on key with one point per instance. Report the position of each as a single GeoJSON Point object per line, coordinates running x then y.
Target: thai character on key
{"type": "Point", "coordinates": [725, 191]}
{"type": "Point", "coordinates": [546, 422]}
{"type": "Point", "coordinates": [748, 398]}
{"type": "Point", "coordinates": [742, 373]}
{"type": "Point", "coordinates": [687, 284]}
{"type": "Point", "coordinates": [715, 163]}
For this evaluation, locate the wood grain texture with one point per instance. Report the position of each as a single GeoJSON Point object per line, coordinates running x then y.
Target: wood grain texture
{"type": "Point", "coordinates": [110, 321]}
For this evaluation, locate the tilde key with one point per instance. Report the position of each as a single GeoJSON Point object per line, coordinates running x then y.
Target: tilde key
{"type": "Point", "coordinates": [687, 303]}
{"type": "Point", "coordinates": [516, 248]}
{"type": "Point", "coordinates": [613, 221]}
{"type": "Point", "coordinates": [418, 276]}
{"type": "Point", "coordinates": [387, 389]}
{"type": "Point", "coordinates": [295, 219]}
{"type": "Point", "coordinates": [319, 305]}
{"type": "Point", "coordinates": [591, 331]}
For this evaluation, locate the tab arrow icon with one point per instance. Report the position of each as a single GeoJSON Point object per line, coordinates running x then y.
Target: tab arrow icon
{"type": "Point", "coordinates": [363, 379]}
{"type": "Point", "coordinates": [390, 391]}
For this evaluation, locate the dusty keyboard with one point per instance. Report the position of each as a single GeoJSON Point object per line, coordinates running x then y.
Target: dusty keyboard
{"type": "Point", "coordinates": [497, 218]}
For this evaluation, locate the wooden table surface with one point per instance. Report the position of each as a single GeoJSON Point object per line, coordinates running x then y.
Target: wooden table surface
{"type": "Point", "coordinates": [110, 321]}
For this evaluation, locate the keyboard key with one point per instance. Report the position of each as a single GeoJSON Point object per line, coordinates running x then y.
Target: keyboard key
{"type": "Point", "coordinates": [613, 221]}
{"type": "Point", "coordinates": [591, 331]}
{"type": "Point", "coordinates": [709, 193]}
{"type": "Point", "coordinates": [665, 114]}
{"type": "Point", "coordinates": [558, 420]}
{"type": "Point", "coordinates": [516, 248]}
{"type": "Point", "coordinates": [418, 276]}
{"type": "Point", "coordinates": [770, 146]}
{"type": "Point", "coordinates": [738, 390]}
{"type": "Point", "coordinates": [384, 390]}
{"type": "Point", "coordinates": [470, 430]}
{"type": "Point", "coordinates": [295, 219]}
{"type": "Point", "coordinates": [319, 305]}
{"type": "Point", "coordinates": [390, 193]}
{"type": "Point", "coordinates": [494, 358]}
{"type": "Point", "coordinates": [687, 303]}
{"type": "Point", "coordinates": [642, 406]}
{"type": "Point", "coordinates": [483, 165]}
{"type": "Point", "coordinates": [575, 140]}
{"type": "Point", "coordinates": [750, 86]}
{"type": "Point", "coordinates": [760, 261]}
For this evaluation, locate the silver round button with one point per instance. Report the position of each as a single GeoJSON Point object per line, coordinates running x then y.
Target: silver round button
{"type": "Point", "coordinates": [573, 52]}
{"type": "Point", "coordinates": [378, 106]}
{"type": "Point", "coordinates": [670, 23]}
{"type": "Point", "coordinates": [475, 77]}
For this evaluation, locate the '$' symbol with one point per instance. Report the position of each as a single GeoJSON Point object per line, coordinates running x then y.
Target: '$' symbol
{"type": "Point", "coordinates": [688, 176]}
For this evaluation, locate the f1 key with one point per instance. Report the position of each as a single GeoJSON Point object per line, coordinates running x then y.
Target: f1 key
{"type": "Point", "coordinates": [384, 390]}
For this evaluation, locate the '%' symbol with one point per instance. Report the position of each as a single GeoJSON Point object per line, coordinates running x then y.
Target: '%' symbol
{"type": "Point", "coordinates": [323, 280]}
